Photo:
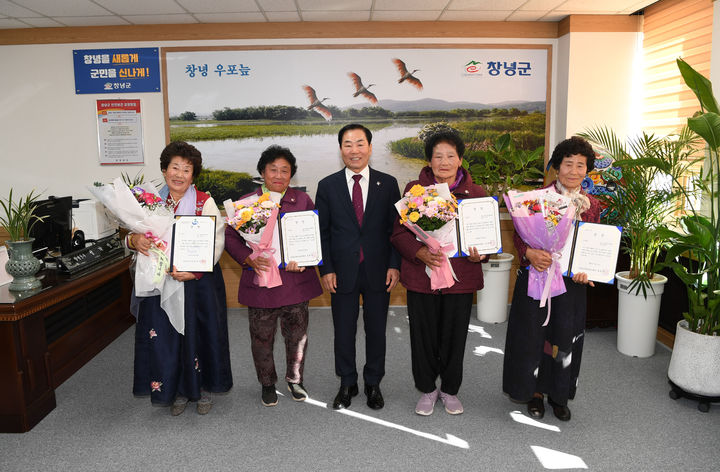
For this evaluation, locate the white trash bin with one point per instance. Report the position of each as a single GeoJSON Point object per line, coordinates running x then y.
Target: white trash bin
{"type": "Point", "coordinates": [492, 305]}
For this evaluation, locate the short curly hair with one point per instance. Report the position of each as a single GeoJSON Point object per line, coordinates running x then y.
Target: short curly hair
{"type": "Point", "coordinates": [273, 153]}
{"type": "Point", "coordinates": [570, 147]}
{"type": "Point", "coordinates": [449, 137]}
{"type": "Point", "coordinates": [184, 150]}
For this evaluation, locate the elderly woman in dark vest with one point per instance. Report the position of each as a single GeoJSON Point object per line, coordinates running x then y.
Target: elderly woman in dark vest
{"type": "Point", "coordinates": [545, 360]}
{"type": "Point", "coordinates": [288, 302]}
{"type": "Point", "coordinates": [439, 319]}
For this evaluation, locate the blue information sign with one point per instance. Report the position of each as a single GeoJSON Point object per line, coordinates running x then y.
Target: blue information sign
{"type": "Point", "coordinates": [128, 70]}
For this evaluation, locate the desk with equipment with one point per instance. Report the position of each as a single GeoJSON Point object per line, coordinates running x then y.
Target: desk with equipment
{"type": "Point", "coordinates": [48, 333]}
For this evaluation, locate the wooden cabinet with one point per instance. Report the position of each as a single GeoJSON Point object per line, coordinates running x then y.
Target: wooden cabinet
{"type": "Point", "coordinates": [48, 334]}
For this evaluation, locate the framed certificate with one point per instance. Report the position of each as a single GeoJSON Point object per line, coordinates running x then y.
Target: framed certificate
{"type": "Point", "coordinates": [300, 238]}
{"type": "Point", "coordinates": [193, 243]}
{"type": "Point", "coordinates": [479, 226]}
{"type": "Point", "coordinates": [592, 248]}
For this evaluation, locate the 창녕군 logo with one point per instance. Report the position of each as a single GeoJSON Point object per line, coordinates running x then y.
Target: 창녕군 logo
{"type": "Point", "coordinates": [472, 69]}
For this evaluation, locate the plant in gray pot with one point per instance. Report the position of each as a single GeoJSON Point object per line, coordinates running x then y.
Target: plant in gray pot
{"type": "Point", "coordinates": [644, 201]}
{"type": "Point", "coordinates": [695, 362]}
{"type": "Point", "coordinates": [18, 219]}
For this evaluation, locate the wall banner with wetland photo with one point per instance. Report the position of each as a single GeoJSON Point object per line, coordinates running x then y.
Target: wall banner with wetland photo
{"type": "Point", "coordinates": [234, 102]}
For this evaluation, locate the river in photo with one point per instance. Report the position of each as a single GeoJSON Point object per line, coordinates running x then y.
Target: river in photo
{"type": "Point", "coordinates": [317, 156]}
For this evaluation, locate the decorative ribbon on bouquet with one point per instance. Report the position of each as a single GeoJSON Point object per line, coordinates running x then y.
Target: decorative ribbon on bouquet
{"type": "Point", "coordinates": [267, 278]}
{"type": "Point", "coordinates": [443, 276]}
{"type": "Point", "coordinates": [553, 273]}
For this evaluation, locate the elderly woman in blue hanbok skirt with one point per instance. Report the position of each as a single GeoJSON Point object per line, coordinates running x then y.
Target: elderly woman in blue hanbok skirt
{"type": "Point", "coordinates": [170, 367]}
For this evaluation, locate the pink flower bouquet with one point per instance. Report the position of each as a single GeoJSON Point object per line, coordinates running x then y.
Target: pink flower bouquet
{"type": "Point", "coordinates": [543, 218]}
{"type": "Point", "coordinates": [429, 212]}
{"type": "Point", "coordinates": [255, 219]}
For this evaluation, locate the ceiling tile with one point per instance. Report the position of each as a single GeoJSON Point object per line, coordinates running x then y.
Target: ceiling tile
{"type": "Point", "coordinates": [336, 15]}
{"type": "Point", "coordinates": [519, 15]}
{"type": "Point", "coordinates": [247, 17]}
{"type": "Point", "coordinates": [485, 5]}
{"type": "Point", "coordinates": [537, 5]}
{"type": "Point", "coordinates": [64, 7]}
{"type": "Point", "coordinates": [277, 5]}
{"type": "Point", "coordinates": [219, 6]}
{"type": "Point", "coordinates": [604, 6]}
{"type": "Point", "coordinates": [412, 5]}
{"type": "Point", "coordinates": [282, 15]}
{"type": "Point", "coordinates": [636, 6]}
{"type": "Point", "coordinates": [11, 9]}
{"type": "Point", "coordinates": [42, 22]}
{"type": "Point", "coordinates": [12, 24]}
{"type": "Point", "coordinates": [92, 20]}
{"type": "Point", "coordinates": [333, 5]}
{"type": "Point", "coordinates": [474, 15]}
{"type": "Point", "coordinates": [424, 15]}
{"type": "Point", "coordinates": [141, 7]}
{"type": "Point", "coordinates": [160, 19]}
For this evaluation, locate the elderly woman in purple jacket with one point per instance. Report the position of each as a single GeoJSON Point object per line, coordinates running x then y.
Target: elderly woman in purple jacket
{"type": "Point", "coordinates": [287, 302]}
{"type": "Point", "coordinates": [439, 319]}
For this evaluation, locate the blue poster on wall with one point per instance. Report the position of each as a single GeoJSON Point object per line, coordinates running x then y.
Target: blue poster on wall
{"type": "Point", "coordinates": [127, 70]}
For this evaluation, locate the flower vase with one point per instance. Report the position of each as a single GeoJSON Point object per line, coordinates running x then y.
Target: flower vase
{"type": "Point", "coordinates": [22, 265]}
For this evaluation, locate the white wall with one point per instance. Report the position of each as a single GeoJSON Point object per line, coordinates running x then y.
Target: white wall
{"type": "Point", "coordinates": [48, 134]}
{"type": "Point", "coordinates": [598, 82]}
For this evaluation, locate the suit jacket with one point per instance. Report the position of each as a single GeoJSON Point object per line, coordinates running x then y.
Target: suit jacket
{"type": "Point", "coordinates": [342, 236]}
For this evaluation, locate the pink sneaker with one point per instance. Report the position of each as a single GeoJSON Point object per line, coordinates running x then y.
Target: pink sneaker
{"type": "Point", "coordinates": [452, 404]}
{"type": "Point", "coordinates": [426, 404]}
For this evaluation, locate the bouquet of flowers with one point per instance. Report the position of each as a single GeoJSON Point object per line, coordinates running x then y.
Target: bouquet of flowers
{"type": "Point", "coordinates": [255, 219]}
{"type": "Point", "coordinates": [543, 218]}
{"type": "Point", "coordinates": [140, 209]}
{"type": "Point", "coordinates": [426, 211]}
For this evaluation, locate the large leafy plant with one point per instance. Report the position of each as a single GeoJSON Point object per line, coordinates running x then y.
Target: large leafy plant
{"type": "Point", "coordinates": [504, 166]}
{"type": "Point", "coordinates": [697, 237]}
{"type": "Point", "coordinates": [19, 215]}
{"type": "Point", "coordinates": [648, 193]}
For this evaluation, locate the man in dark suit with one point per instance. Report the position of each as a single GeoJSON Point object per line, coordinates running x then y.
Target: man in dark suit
{"type": "Point", "coordinates": [356, 210]}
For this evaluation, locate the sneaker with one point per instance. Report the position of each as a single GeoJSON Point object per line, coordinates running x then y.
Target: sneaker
{"type": "Point", "coordinates": [298, 392]}
{"type": "Point", "coordinates": [269, 397]}
{"type": "Point", "coordinates": [452, 404]}
{"type": "Point", "coordinates": [426, 404]}
{"type": "Point", "coordinates": [204, 404]}
{"type": "Point", "coordinates": [178, 405]}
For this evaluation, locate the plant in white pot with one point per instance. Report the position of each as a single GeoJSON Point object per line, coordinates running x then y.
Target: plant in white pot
{"type": "Point", "coordinates": [644, 201]}
{"type": "Point", "coordinates": [17, 220]}
{"type": "Point", "coordinates": [695, 361]}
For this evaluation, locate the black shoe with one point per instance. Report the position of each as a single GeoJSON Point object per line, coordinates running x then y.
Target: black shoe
{"type": "Point", "coordinates": [536, 407]}
{"type": "Point", "coordinates": [298, 392]}
{"type": "Point", "coordinates": [562, 412]}
{"type": "Point", "coordinates": [269, 397]}
{"type": "Point", "coordinates": [374, 397]}
{"type": "Point", "coordinates": [344, 396]}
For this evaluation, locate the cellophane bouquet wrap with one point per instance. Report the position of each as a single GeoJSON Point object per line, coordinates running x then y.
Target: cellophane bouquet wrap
{"type": "Point", "coordinates": [543, 219]}
{"type": "Point", "coordinates": [140, 209]}
{"type": "Point", "coordinates": [430, 213]}
{"type": "Point", "coordinates": [255, 219]}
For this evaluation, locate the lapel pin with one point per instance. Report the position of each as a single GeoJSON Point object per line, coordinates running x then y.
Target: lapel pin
{"type": "Point", "coordinates": [378, 182]}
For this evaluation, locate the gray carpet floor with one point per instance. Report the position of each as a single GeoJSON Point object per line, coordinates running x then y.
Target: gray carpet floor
{"type": "Point", "coordinates": [623, 418]}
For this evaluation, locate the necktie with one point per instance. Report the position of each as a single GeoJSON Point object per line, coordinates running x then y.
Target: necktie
{"type": "Point", "coordinates": [357, 201]}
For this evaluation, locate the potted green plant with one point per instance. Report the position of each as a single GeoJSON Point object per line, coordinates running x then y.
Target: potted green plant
{"type": "Point", "coordinates": [644, 200]}
{"type": "Point", "coordinates": [500, 166]}
{"type": "Point", "coordinates": [18, 219]}
{"type": "Point", "coordinates": [694, 365]}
